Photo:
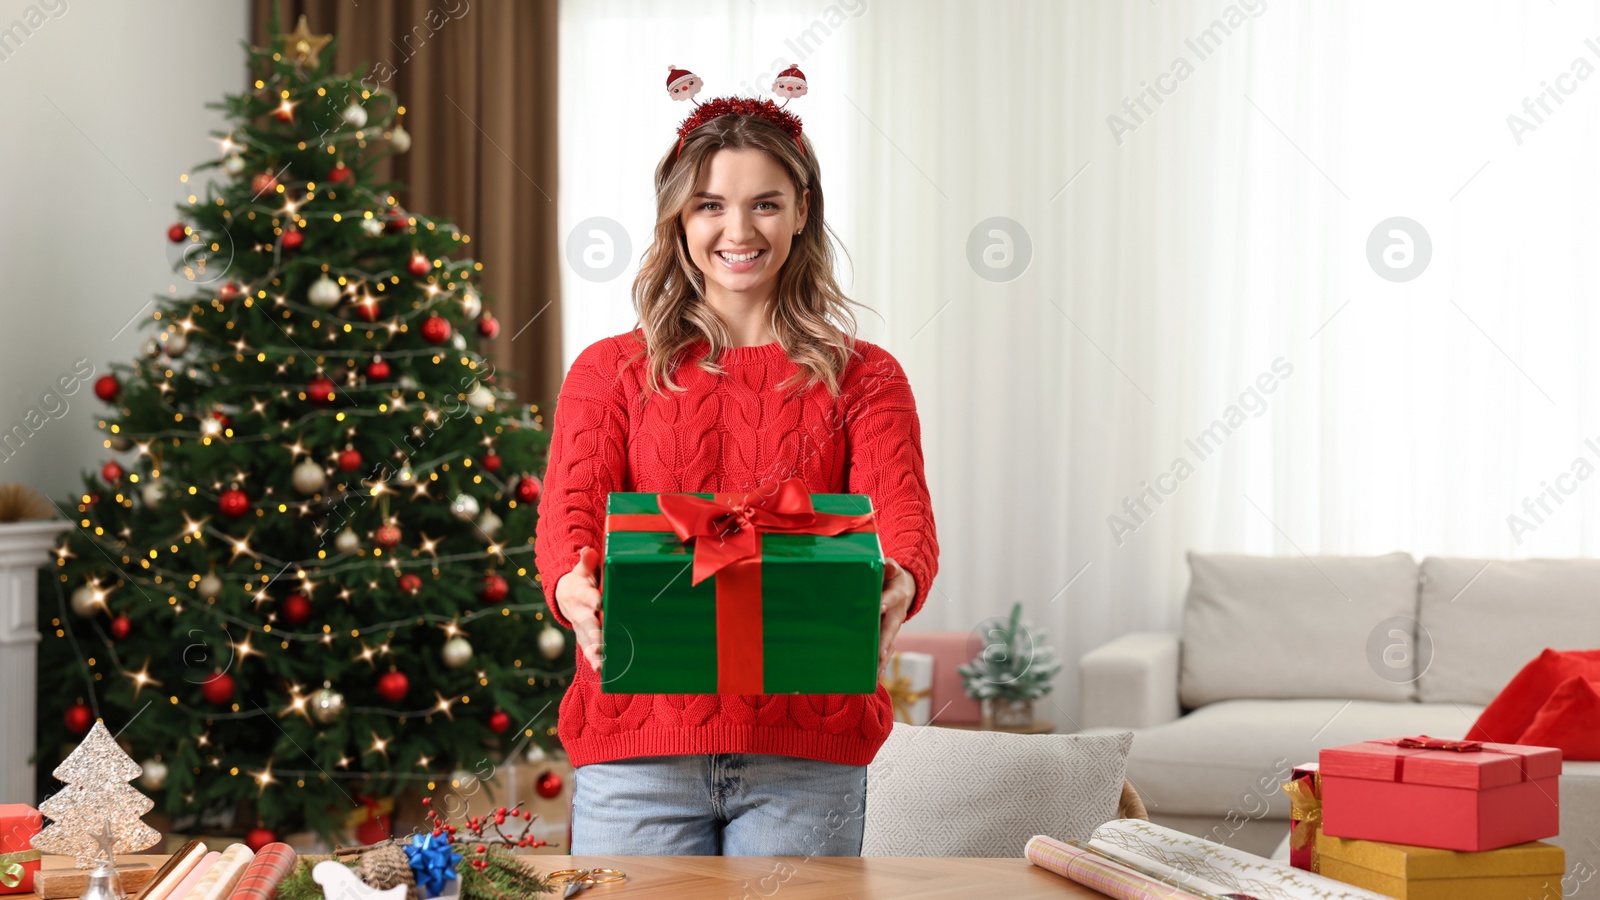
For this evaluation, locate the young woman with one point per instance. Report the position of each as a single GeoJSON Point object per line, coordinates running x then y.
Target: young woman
{"type": "Point", "coordinates": [744, 370]}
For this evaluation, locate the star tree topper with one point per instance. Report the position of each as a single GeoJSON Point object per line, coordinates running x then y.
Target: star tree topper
{"type": "Point", "coordinates": [302, 46]}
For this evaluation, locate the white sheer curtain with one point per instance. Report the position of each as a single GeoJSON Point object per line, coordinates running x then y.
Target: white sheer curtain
{"type": "Point", "coordinates": [1178, 256]}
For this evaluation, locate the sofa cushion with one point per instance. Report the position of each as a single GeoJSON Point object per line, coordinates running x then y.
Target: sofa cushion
{"type": "Point", "coordinates": [1229, 759]}
{"type": "Point", "coordinates": [1524, 699]}
{"type": "Point", "coordinates": [1488, 618]}
{"type": "Point", "coordinates": [1293, 627]}
{"type": "Point", "coordinates": [1012, 787]}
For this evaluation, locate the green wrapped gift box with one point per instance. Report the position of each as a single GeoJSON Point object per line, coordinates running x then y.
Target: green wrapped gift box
{"type": "Point", "coordinates": [774, 591]}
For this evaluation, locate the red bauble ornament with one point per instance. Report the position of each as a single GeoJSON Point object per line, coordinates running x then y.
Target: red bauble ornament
{"type": "Point", "coordinates": [228, 291]}
{"type": "Point", "coordinates": [488, 326]}
{"type": "Point", "coordinates": [435, 330]}
{"type": "Point", "coordinates": [377, 370]}
{"type": "Point", "coordinates": [257, 838]}
{"type": "Point", "coordinates": [78, 719]}
{"type": "Point", "coordinates": [548, 785]}
{"type": "Point", "coordinates": [392, 686]}
{"type": "Point", "coordinates": [176, 233]}
{"type": "Point", "coordinates": [293, 239]}
{"type": "Point", "coordinates": [121, 627]}
{"type": "Point", "coordinates": [499, 721]}
{"type": "Point", "coordinates": [387, 535]}
{"type": "Point", "coordinates": [218, 688]}
{"type": "Point", "coordinates": [233, 503]}
{"type": "Point", "coordinates": [320, 391]}
{"type": "Point", "coordinates": [418, 265]}
{"type": "Point", "coordinates": [492, 462]}
{"type": "Point", "coordinates": [367, 308]}
{"type": "Point", "coordinates": [296, 609]}
{"type": "Point", "coordinates": [411, 583]}
{"type": "Point", "coordinates": [111, 473]}
{"type": "Point", "coordinates": [396, 221]}
{"type": "Point", "coordinates": [495, 589]}
{"type": "Point", "coordinates": [221, 417]}
{"type": "Point", "coordinates": [284, 113]}
{"type": "Point", "coordinates": [341, 173]}
{"type": "Point", "coordinates": [107, 387]}
{"type": "Point", "coordinates": [349, 460]}
{"type": "Point", "coordinates": [263, 183]}
{"type": "Point", "coordinates": [529, 489]}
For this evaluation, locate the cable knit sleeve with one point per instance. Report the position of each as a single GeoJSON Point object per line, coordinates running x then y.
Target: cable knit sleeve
{"type": "Point", "coordinates": [885, 444]}
{"type": "Point", "coordinates": [588, 460]}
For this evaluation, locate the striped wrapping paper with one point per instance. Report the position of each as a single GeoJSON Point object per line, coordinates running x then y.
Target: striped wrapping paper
{"type": "Point", "coordinates": [181, 890]}
{"type": "Point", "coordinates": [260, 880]}
{"type": "Point", "coordinates": [1098, 873]}
{"type": "Point", "coordinates": [218, 881]}
{"type": "Point", "coordinates": [177, 868]}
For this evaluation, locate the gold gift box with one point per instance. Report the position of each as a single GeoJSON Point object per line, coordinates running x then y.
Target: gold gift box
{"type": "Point", "coordinates": [1530, 871]}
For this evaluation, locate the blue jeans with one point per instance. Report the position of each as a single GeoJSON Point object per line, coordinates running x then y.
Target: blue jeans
{"type": "Point", "coordinates": [718, 804]}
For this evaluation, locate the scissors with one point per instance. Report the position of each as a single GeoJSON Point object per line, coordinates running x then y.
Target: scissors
{"type": "Point", "coordinates": [580, 879]}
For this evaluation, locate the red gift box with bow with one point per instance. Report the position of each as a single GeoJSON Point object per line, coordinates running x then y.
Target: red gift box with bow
{"type": "Point", "coordinates": [1451, 795]}
{"type": "Point", "coordinates": [19, 823]}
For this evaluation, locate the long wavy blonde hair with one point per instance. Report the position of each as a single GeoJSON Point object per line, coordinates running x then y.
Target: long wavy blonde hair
{"type": "Point", "coordinates": [809, 314]}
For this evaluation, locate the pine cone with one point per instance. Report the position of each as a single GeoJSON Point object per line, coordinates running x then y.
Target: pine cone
{"type": "Point", "coordinates": [386, 866]}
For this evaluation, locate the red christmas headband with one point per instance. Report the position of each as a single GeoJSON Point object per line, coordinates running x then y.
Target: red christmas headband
{"type": "Point", "coordinates": [791, 83]}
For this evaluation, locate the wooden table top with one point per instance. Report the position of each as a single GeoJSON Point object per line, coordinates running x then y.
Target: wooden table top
{"type": "Point", "coordinates": [802, 878]}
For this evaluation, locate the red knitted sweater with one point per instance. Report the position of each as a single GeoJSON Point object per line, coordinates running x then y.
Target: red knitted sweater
{"type": "Point", "coordinates": [729, 433]}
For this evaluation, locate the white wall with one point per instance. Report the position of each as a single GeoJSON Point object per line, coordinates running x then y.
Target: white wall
{"type": "Point", "coordinates": [102, 108]}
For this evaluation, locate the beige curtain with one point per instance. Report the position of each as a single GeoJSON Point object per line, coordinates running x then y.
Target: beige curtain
{"type": "Point", "coordinates": [478, 82]}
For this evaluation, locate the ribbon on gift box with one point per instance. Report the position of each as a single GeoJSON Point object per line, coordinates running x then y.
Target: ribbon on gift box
{"type": "Point", "coordinates": [11, 870]}
{"type": "Point", "coordinates": [1423, 742]}
{"type": "Point", "coordinates": [726, 531]}
{"type": "Point", "coordinates": [900, 693]}
{"type": "Point", "coordinates": [1305, 807]}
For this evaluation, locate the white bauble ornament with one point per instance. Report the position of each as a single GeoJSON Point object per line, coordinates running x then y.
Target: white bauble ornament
{"type": "Point", "coordinates": [233, 165]}
{"type": "Point", "coordinates": [471, 303]}
{"type": "Point", "coordinates": [84, 601]}
{"type": "Point", "coordinates": [119, 442]}
{"type": "Point", "coordinates": [481, 396]}
{"type": "Point", "coordinates": [536, 753]}
{"type": "Point", "coordinates": [489, 523]}
{"type": "Point", "coordinates": [210, 586]}
{"type": "Point", "coordinates": [355, 115]}
{"type": "Point", "coordinates": [407, 383]}
{"type": "Point", "coordinates": [324, 293]}
{"type": "Point", "coordinates": [457, 652]}
{"type": "Point", "coordinates": [176, 344]}
{"type": "Point", "coordinates": [464, 507]}
{"type": "Point", "coordinates": [154, 776]}
{"type": "Point", "coordinates": [347, 541]}
{"type": "Point", "coordinates": [309, 478]}
{"type": "Point", "coordinates": [152, 493]}
{"type": "Point", "coordinates": [372, 227]}
{"type": "Point", "coordinates": [551, 642]}
{"type": "Point", "coordinates": [458, 341]}
{"type": "Point", "coordinates": [327, 705]}
{"type": "Point", "coordinates": [152, 347]}
{"type": "Point", "coordinates": [400, 139]}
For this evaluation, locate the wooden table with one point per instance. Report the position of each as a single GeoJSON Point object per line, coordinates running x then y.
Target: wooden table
{"type": "Point", "coordinates": [800, 878]}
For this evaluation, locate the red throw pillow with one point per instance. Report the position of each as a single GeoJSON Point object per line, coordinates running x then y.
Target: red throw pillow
{"type": "Point", "coordinates": [1505, 719]}
{"type": "Point", "coordinates": [1570, 720]}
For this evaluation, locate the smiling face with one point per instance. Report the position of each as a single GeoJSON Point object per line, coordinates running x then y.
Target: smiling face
{"type": "Point", "coordinates": [740, 223]}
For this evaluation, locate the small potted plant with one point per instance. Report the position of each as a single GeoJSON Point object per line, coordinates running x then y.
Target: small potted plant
{"type": "Point", "coordinates": [1014, 668]}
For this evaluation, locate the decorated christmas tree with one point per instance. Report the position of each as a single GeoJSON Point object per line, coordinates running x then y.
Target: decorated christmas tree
{"type": "Point", "coordinates": [304, 573]}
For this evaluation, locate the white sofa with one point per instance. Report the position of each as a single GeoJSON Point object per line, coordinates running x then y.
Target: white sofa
{"type": "Point", "coordinates": [1278, 657]}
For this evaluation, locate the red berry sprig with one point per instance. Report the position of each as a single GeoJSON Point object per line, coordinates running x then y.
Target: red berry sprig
{"type": "Point", "coordinates": [477, 832]}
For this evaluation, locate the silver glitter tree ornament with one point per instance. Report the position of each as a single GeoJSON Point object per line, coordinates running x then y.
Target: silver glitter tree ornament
{"type": "Point", "coordinates": [97, 798]}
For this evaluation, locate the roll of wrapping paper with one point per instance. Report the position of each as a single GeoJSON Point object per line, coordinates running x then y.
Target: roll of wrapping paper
{"type": "Point", "coordinates": [1095, 871]}
{"type": "Point", "coordinates": [176, 868]}
{"type": "Point", "coordinates": [1235, 870]}
{"type": "Point", "coordinates": [217, 883]}
{"type": "Point", "coordinates": [181, 889]}
{"type": "Point", "coordinates": [260, 881]}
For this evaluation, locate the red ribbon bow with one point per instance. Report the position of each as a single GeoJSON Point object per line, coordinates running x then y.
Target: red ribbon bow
{"type": "Point", "coordinates": [727, 530]}
{"type": "Point", "coordinates": [1424, 742]}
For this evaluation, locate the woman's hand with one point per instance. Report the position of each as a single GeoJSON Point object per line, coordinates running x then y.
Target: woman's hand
{"type": "Point", "coordinates": [578, 599]}
{"type": "Point", "coordinates": [899, 589]}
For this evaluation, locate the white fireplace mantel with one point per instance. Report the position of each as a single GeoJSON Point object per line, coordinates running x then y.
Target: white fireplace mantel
{"type": "Point", "coordinates": [24, 547]}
